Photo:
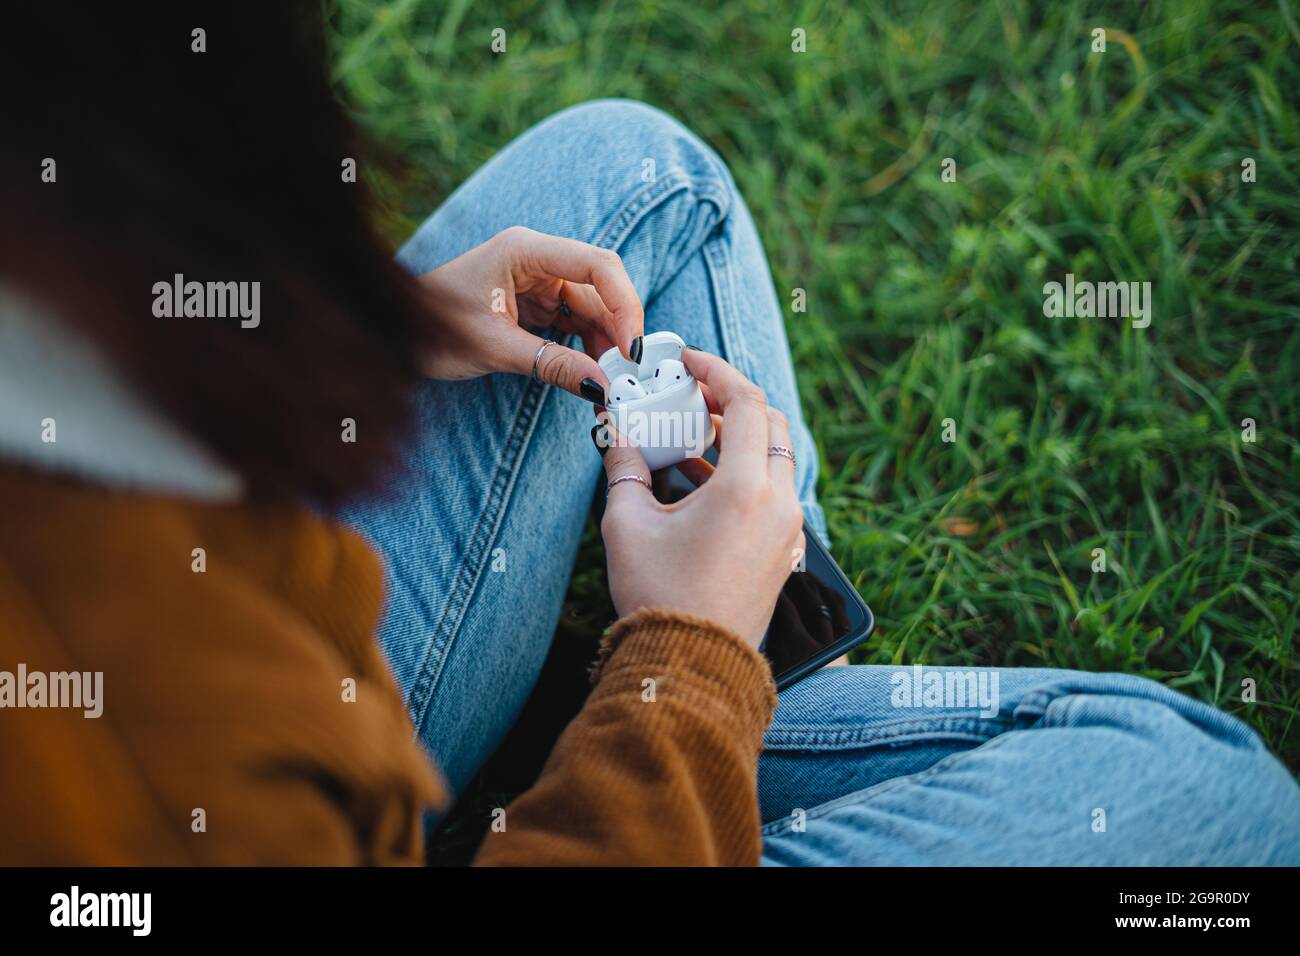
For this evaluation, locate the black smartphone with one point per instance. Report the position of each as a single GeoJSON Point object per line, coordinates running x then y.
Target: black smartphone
{"type": "Point", "coordinates": [819, 614]}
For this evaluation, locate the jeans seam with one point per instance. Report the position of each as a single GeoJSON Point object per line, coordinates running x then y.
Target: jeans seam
{"type": "Point", "coordinates": [645, 201]}
{"type": "Point", "coordinates": [482, 537]}
{"type": "Point", "coordinates": [729, 328]}
{"type": "Point", "coordinates": [979, 728]}
{"type": "Point", "coordinates": [867, 794]}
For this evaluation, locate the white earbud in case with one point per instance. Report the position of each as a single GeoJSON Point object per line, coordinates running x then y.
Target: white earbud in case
{"type": "Point", "coordinates": [657, 406]}
{"type": "Point", "coordinates": [667, 374]}
{"type": "Point", "coordinates": [623, 388]}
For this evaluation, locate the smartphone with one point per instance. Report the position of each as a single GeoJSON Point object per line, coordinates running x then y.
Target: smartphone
{"type": "Point", "coordinates": [819, 614]}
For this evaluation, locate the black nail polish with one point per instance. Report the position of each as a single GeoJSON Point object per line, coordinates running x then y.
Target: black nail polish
{"type": "Point", "coordinates": [637, 346]}
{"type": "Point", "coordinates": [599, 440]}
{"type": "Point", "coordinates": [592, 392]}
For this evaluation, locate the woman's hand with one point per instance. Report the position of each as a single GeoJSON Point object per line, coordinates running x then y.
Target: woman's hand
{"type": "Point", "coordinates": [724, 551]}
{"type": "Point", "coordinates": [484, 301]}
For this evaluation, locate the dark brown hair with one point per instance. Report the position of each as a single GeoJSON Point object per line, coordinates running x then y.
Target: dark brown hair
{"type": "Point", "coordinates": [224, 166]}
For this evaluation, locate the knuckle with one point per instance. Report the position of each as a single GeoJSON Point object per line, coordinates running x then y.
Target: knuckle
{"type": "Point", "coordinates": [512, 236]}
{"type": "Point", "coordinates": [749, 492]}
{"type": "Point", "coordinates": [777, 418]}
{"type": "Point", "coordinates": [606, 262]}
{"type": "Point", "coordinates": [560, 368]}
{"type": "Point", "coordinates": [622, 458]}
{"type": "Point", "coordinates": [619, 461]}
{"type": "Point", "coordinates": [748, 393]}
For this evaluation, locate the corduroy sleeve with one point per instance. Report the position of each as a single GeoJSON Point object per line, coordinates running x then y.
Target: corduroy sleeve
{"type": "Point", "coordinates": [660, 767]}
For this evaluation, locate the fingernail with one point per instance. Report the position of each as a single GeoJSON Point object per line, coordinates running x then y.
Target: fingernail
{"type": "Point", "coordinates": [694, 348]}
{"type": "Point", "coordinates": [592, 391]}
{"type": "Point", "coordinates": [598, 439]}
{"type": "Point", "coordinates": [637, 346]}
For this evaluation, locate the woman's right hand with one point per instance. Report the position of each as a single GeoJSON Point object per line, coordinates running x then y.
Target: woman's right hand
{"type": "Point", "coordinates": [724, 551]}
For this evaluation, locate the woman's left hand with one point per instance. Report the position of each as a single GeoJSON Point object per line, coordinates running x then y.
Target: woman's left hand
{"type": "Point", "coordinates": [485, 301]}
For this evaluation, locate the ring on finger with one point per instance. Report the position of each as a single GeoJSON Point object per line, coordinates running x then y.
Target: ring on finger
{"type": "Point", "coordinates": [609, 487]}
{"type": "Point", "coordinates": [774, 451]}
{"type": "Point", "coordinates": [538, 357]}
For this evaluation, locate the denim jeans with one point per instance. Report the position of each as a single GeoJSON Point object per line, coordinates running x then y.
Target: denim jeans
{"type": "Point", "coordinates": [480, 538]}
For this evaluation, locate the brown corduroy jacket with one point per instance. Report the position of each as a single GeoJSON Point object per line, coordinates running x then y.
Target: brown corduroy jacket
{"type": "Point", "coordinates": [248, 717]}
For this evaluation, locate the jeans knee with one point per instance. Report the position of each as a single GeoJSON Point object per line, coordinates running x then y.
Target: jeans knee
{"type": "Point", "coordinates": [628, 177]}
{"type": "Point", "coordinates": [635, 137]}
{"type": "Point", "coordinates": [1190, 782]}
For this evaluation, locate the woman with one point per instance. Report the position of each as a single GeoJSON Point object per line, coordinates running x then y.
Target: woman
{"type": "Point", "coordinates": [166, 477]}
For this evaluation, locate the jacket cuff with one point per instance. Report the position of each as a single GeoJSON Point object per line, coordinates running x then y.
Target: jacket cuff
{"type": "Point", "coordinates": [693, 659]}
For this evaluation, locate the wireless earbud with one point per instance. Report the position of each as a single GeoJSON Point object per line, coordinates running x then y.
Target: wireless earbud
{"type": "Point", "coordinates": [624, 388]}
{"type": "Point", "coordinates": [667, 374]}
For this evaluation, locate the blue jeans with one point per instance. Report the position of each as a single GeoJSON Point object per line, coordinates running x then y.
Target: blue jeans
{"type": "Point", "coordinates": [480, 538]}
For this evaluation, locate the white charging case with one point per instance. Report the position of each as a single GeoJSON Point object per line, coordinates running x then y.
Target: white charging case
{"type": "Point", "coordinates": [667, 426]}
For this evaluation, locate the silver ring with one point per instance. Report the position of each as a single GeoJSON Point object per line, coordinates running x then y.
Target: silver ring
{"type": "Point", "coordinates": [774, 451]}
{"type": "Point", "coordinates": [610, 486]}
{"type": "Point", "coordinates": [538, 357]}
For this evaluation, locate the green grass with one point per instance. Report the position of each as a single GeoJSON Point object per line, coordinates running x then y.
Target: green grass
{"type": "Point", "coordinates": [925, 298]}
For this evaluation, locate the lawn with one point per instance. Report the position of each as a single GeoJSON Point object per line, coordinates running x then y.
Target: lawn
{"type": "Point", "coordinates": [925, 297]}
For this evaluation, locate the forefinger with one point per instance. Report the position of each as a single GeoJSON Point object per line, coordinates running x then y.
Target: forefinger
{"type": "Point", "coordinates": [577, 261]}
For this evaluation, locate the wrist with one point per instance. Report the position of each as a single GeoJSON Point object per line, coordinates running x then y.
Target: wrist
{"type": "Point", "coordinates": [687, 659]}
